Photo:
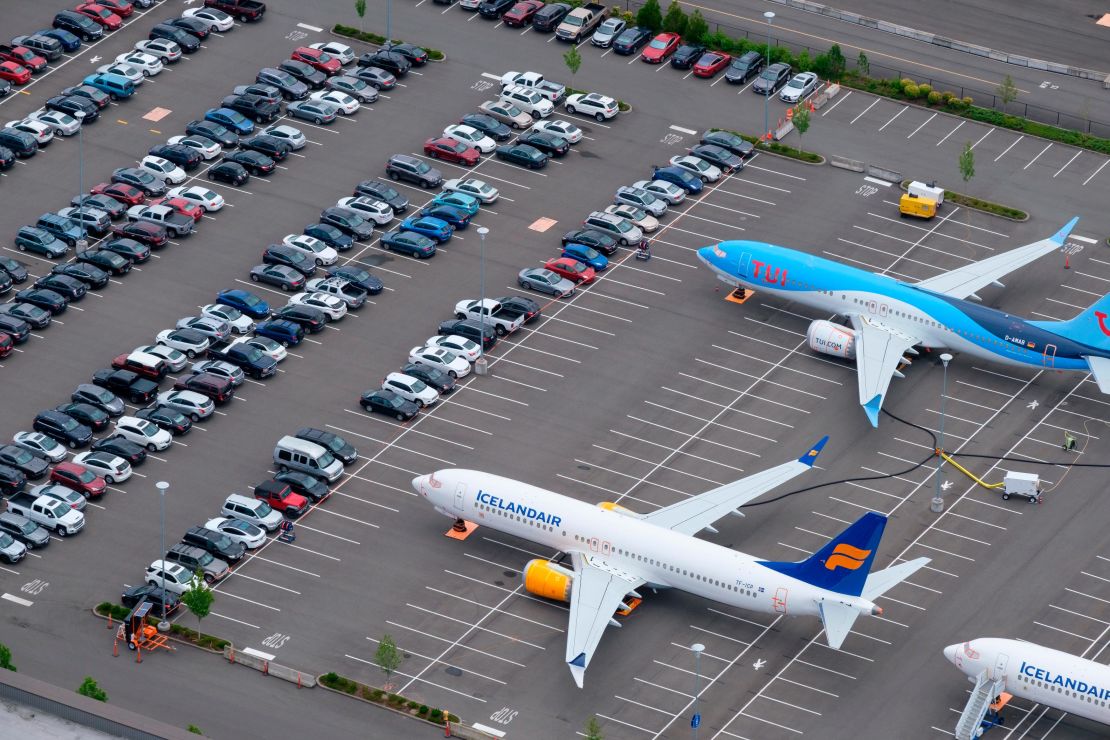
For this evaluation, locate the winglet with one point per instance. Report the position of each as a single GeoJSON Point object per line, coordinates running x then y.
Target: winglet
{"type": "Point", "coordinates": [578, 668]}
{"type": "Point", "coordinates": [811, 457]}
{"type": "Point", "coordinates": [1061, 236]}
{"type": "Point", "coordinates": [872, 408]}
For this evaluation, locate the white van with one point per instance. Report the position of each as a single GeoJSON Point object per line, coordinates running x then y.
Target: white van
{"type": "Point", "coordinates": [307, 457]}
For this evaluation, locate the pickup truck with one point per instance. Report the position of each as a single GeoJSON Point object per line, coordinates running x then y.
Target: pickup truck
{"type": "Point", "coordinates": [580, 22]}
{"type": "Point", "coordinates": [47, 512]}
{"type": "Point", "coordinates": [251, 360]}
{"type": "Point", "coordinates": [253, 106]}
{"type": "Point", "coordinates": [126, 384]}
{"type": "Point", "coordinates": [23, 56]}
{"type": "Point", "coordinates": [177, 224]}
{"type": "Point", "coordinates": [503, 321]}
{"type": "Point", "coordinates": [244, 10]}
{"type": "Point", "coordinates": [553, 91]}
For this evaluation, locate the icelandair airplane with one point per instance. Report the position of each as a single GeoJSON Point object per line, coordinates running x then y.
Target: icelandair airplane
{"type": "Point", "coordinates": [614, 551]}
{"type": "Point", "coordinates": [1056, 679]}
{"type": "Point", "coordinates": [889, 317]}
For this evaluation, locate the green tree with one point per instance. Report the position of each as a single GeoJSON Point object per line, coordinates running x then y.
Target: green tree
{"type": "Point", "coordinates": [1007, 91]}
{"type": "Point", "coordinates": [967, 163]}
{"type": "Point", "coordinates": [802, 62]}
{"type": "Point", "coordinates": [675, 20]}
{"type": "Point", "coordinates": [837, 62]}
{"type": "Point", "coordinates": [593, 729]}
{"type": "Point", "coordinates": [194, 729]}
{"type": "Point", "coordinates": [650, 16]}
{"type": "Point", "coordinates": [573, 60]}
{"type": "Point", "coordinates": [360, 10]}
{"type": "Point", "coordinates": [801, 120]}
{"type": "Point", "coordinates": [863, 65]}
{"type": "Point", "coordinates": [89, 688]}
{"type": "Point", "coordinates": [696, 27]}
{"type": "Point", "coordinates": [198, 598]}
{"type": "Point", "coordinates": [6, 657]}
{"type": "Point", "coordinates": [388, 657]}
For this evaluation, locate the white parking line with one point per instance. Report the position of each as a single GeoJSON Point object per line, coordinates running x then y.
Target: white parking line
{"type": "Point", "coordinates": [910, 136]}
{"type": "Point", "coordinates": [1068, 162]}
{"type": "Point", "coordinates": [873, 104]}
{"type": "Point", "coordinates": [951, 132]}
{"type": "Point", "coordinates": [1034, 159]}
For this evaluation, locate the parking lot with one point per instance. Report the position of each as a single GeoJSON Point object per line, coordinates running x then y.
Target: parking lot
{"type": "Point", "coordinates": [643, 388]}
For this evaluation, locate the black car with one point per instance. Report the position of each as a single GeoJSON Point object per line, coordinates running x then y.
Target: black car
{"type": "Point", "coordinates": [310, 318]}
{"type": "Point", "coordinates": [18, 329]}
{"type": "Point", "coordinates": [310, 76]}
{"type": "Point", "coordinates": [83, 27]}
{"type": "Point", "coordinates": [171, 420]}
{"type": "Point", "coordinates": [128, 248]}
{"type": "Point", "coordinates": [331, 442]}
{"type": "Point", "coordinates": [70, 288]}
{"type": "Point", "coordinates": [549, 16]}
{"type": "Point", "coordinates": [550, 144]}
{"type": "Point", "coordinates": [593, 239]}
{"type": "Point", "coordinates": [254, 162]}
{"type": "Point", "coordinates": [6, 282]}
{"type": "Point", "coordinates": [358, 277]}
{"type": "Point", "coordinates": [347, 221]}
{"type": "Point", "coordinates": [687, 55]}
{"type": "Point", "coordinates": [7, 158]}
{"type": "Point", "coordinates": [24, 530]}
{"type": "Point", "coordinates": [191, 26]}
{"type": "Point", "coordinates": [772, 79]}
{"type": "Point", "coordinates": [134, 454]}
{"type": "Point", "coordinates": [21, 143]}
{"type": "Point", "coordinates": [330, 235]}
{"type": "Point", "coordinates": [102, 202]}
{"type": "Point", "coordinates": [376, 77]}
{"type": "Point", "coordinates": [518, 305]}
{"type": "Point", "coordinates": [416, 56]}
{"type": "Point", "coordinates": [73, 104]}
{"type": "Point", "coordinates": [437, 379]}
{"type": "Point", "coordinates": [523, 155]}
{"type": "Point", "coordinates": [306, 485]}
{"type": "Point", "coordinates": [99, 98]}
{"type": "Point", "coordinates": [106, 260]}
{"type": "Point", "coordinates": [631, 40]}
{"type": "Point", "coordinates": [63, 428]}
{"type": "Point", "coordinates": [217, 544]}
{"type": "Point", "coordinates": [719, 156]}
{"type": "Point", "coordinates": [126, 384]}
{"type": "Point", "coordinates": [38, 318]}
{"type": "Point", "coordinates": [102, 398]}
{"type": "Point", "coordinates": [86, 413]}
{"type": "Point", "coordinates": [183, 156]}
{"type": "Point", "coordinates": [254, 107]}
{"type": "Point", "coordinates": [279, 254]}
{"type": "Point", "coordinates": [290, 87]}
{"type": "Point", "coordinates": [26, 462]}
{"type": "Point", "coordinates": [274, 148]}
{"type": "Point", "coordinates": [15, 269]}
{"type": "Point", "coordinates": [153, 594]}
{"type": "Point", "coordinates": [232, 173]}
{"type": "Point", "coordinates": [179, 36]}
{"type": "Point", "coordinates": [387, 402]}
{"type": "Point", "coordinates": [270, 93]}
{"type": "Point", "coordinates": [91, 275]}
{"type": "Point", "coordinates": [11, 480]}
{"type": "Point", "coordinates": [730, 141]}
{"type": "Point", "coordinates": [471, 329]}
{"type": "Point", "coordinates": [744, 67]}
{"type": "Point", "coordinates": [390, 61]}
{"type": "Point", "coordinates": [384, 192]}
{"type": "Point", "coordinates": [141, 179]}
{"type": "Point", "coordinates": [214, 131]}
{"type": "Point", "coordinates": [45, 299]}
{"type": "Point", "coordinates": [494, 8]}
{"type": "Point", "coordinates": [488, 125]}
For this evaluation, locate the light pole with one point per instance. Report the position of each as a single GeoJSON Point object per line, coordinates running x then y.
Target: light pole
{"type": "Point", "coordinates": [388, 22]}
{"type": "Point", "coordinates": [480, 366]}
{"type": "Point", "coordinates": [937, 504]}
{"type": "Point", "coordinates": [162, 487]}
{"type": "Point", "coordinates": [697, 647]}
{"type": "Point", "coordinates": [82, 243]}
{"type": "Point", "coordinates": [767, 98]}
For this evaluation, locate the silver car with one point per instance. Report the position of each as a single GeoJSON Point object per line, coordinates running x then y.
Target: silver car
{"type": "Point", "coordinates": [221, 368]}
{"type": "Point", "coordinates": [641, 198]}
{"type": "Point", "coordinates": [669, 192]}
{"type": "Point", "coordinates": [189, 403]}
{"type": "Point", "coordinates": [290, 135]}
{"type": "Point", "coordinates": [317, 111]}
{"type": "Point", "coordinates": [57, 491]}
{"type": "Point", "coordinates": [62, 123]}
{"type": "Point", "coordinates": [507, 113]}
{"type": "Point", "coordinates": [607, 31]}
{"type": "Point", "coordinates": [209, 326]}
{"type": "Point", "coordinates": [353, 86]}
{"type": "Point", "coordinates": [545, 281]}
{"type": "Point", "coordinates": [174, 360]}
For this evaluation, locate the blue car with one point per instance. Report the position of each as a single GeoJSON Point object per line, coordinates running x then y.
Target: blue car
{"type": "Point", "coordinates": [246, 302]}
{"type": "Point", "coordinates": [68, 41]}
{"type": "Point", "coordinates": [433, 228]}
{"type": "Point", "coordinates": [582, 253]}
{"type": "Point", "coordinates": [410, 242]}
{"type": "Point", "coordinates": [330, 235]}
{"type": "Point", "coordinates": [457, 217]}
{"type": "Point", "coordinates": [286, 333]}
{"type": "Point", "coordinates": [678, 176]}
{"type": "Point", "coordinates": [231, 119]}
{"type": "Point", "coordinates": [462, 201]}
{"type": "Point", "coordinates": [112, 85]}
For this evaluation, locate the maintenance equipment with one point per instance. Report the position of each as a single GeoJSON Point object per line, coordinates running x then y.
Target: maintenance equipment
{"type": "Point", "coordinates": [1022, 484]}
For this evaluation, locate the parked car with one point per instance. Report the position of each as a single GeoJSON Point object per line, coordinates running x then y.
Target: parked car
{"type": "Point", "coordinates": [387, 402]}
{"type": "Point", "coordinates": [772, 79]}
{"type": "Point", "coordinates": [744, 67]}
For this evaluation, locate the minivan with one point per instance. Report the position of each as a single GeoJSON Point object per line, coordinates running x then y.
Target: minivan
{"type": "Point", "coordinates": [308, 457]}
{"type": "Point", "coordinates": [252, 511]}
{"type": "Point", "coordinates": [20, 142]}
{"type": "Point", "coordinates": [81, 26]}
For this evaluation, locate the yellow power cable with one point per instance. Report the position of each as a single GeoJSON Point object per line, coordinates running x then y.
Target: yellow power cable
{"type": "Point", "coordinates": [969, 474]}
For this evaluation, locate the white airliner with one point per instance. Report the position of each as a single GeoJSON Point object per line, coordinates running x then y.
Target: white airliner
{"type": "Point", "coordinates": [614, 551]}
{"type": "Point", "coordinates": [1056, 679]}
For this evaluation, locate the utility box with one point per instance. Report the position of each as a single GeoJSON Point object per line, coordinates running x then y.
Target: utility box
{"type": "Point", "coordinates": [1026, 485]}
{"type": "Point", "coordinates": [929, 191]}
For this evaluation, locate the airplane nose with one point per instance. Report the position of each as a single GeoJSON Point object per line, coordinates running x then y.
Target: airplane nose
{"type": "Point", "coordinates": [950, 653]}
{"type": "Point", "coordinates": [418, 483]}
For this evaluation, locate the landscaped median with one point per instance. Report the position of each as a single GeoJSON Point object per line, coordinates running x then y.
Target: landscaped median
{"type": "Point", "coordinates": [382, 698]}
{"type": "Point", "coordinates": [775, 147]}
{"type": "Point", "coordinates": [339, 29]}
{"type": "Point", "coordinates": [118, 612]}
{"type": "Point", "coordinates": [967, 201]}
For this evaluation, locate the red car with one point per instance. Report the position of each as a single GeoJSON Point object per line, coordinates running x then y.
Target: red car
{"type": "Point", "coordinates": [6, 345]}
{"type": "Point", "coordinates": [280, 496]}
{"type": "Point", "coordinates": [122, 8]}
{"type": "Point", "coordinates": [661, 47]}
{"type": "Point", "coordinates": [16, 73]}
{"type": "Point", "coordinates": [450, 150]}
{"type": "Point", "coordinates": [182, 206]}
{"type": "Point", "coordinates": [711, 63]}
{"type": "Point", "coordinates": [101, 15]}
{"type": "Point", "coordinates": [23, 56]}
{"type": "Point", "coordinates": [150, 234]}
{"type": "Point", "coordinates": [128, 194]}
{"type": "Point", "coordinates": [571, 269]}
{"type": "Point", "coordinates": [317, 59]}
{"type": "Point", "coordinates": [152, 372]}
{"type": "Point", "coordinates": [78, 478]}
{"type": "Point", "coordinates": [521, 13]}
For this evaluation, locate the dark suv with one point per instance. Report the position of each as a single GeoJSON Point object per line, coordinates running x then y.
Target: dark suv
{"type": "Point", "coordinates": [314, 78]}
{"type": "Point", "coordinates": [126, 384]}
{"type": "Point", "coordinates": [193, 559]}
{"type": "Point", "coordinates": [63, 428]}
{"type": "Point", "coordinates": [405, 167]}
{"type": "Point", "coordinates": [81, 26]}
{"type": "Point", "coordinates": [66, 229]}
{"type": "Point", "coordinates": [253, 106]}
{"type": "Point", "coordinates": [186, 41]}
{"type": "Point", "coordinates": [333, 443]}
{"type": "Point", "coordinates": [470, 329]}
{"type": "Point", "coordinates": [215, 543]}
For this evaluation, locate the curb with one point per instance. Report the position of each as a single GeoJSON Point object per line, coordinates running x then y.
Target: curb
{"type": "Point", "coordinates": [348, 39]}
{"type": "Point", "coordinates": [823, 161]}
{"type": "Point", "coordinates": [386, 707]}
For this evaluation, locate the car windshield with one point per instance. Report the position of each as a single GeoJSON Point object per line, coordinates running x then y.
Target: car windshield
{"type": "Point", "coordinates": [796, 83]}
{"type": "Point", "coordinates": [205, 559]}
{"type": "Point", "coordinates": [251, 300]}
{"type": "Point", "coordinates": [421, 167]}
{"type": "Point", "coordinates": [326, 460]}
{"type": "Point", "coordinates": [394, 401]}
{"type": "Point", "coordinates": [335, 444]}
{"type": "Point", "coordinates": [658, 44]}
{"type": "Point", "coordinates": [68, 424]}
{"type": "Point", "coordinates": [254, 355]}
{"type": "Point", "coordinates": [325, 57]}
{"type": "Point", "coordinates": [419, 386]}
{"type": "Point", "coordinates": [769, 74]}
{"type": "Point", "coordinates": [623, 226]}
{"type": "Point", "coordinates": [263, 510]}
{"type": "Point", "coordinates": [590, 254]}
{"type": "Point", "coordinates": [149, 429]}
{"type": "Point", "coordinates": [21, 457]}
{"type": "Point", "coordinates": [244, 527]}
{"type": "Point", "coordinates": [28, 527]}
{"type": "Point", "coordinates": [235, 116]}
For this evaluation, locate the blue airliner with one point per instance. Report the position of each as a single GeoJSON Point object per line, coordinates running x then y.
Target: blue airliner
{"type": "Point", "coordinates": [889, 317]}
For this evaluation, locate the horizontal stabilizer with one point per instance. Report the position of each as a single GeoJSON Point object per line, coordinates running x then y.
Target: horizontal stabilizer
{"type": "Point", "coordinates": [838, 620]}
{"type": "Point", "coordinates": [1100, 369]}
{"type": "Point", "coordinates": [880, 582]}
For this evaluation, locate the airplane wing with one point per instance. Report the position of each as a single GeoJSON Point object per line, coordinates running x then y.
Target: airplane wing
{"type": "Point", "coordinates": [597, 591]}
{"type": "Point", "coordinates": [879, 351]}
{"type": "Point", "coordinates": [964, 281]}
{"type": "Point", "coordinates": [700, 512]}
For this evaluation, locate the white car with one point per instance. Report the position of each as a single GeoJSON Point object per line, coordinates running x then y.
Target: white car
{"type": "Point", "coordinates": [148, 64]}
{"type": "Point", "coordinates": [220, 368]}
{"type": "Point", "coordinates": [174, 360]}
{"type": "Point", "coordinates": [343, 289]}
{"type": "Point", "coordinates": [133, 74]}
{"type": "Point", "coordinates": [312, 248]}
{"type": "Point", "coordinates": [343, 102]}
{"type": "Point", "coordinates": [669, 192]}
{"type": "Point", "coordinates": [469, 4]}
{"type": "Point", "coordinates": [474, 187]}
{"type": "Point", "coordinates": [200, 195]}
{"type": "Point", "coordinates": [342, 52]}
{"type": "Point", "coordinates": [189, 403]}
{"type": "Point", "coordinates": [110, 467]}
{"type": "Point", "coordinates": [333, 307]}
{"type": "Point", "coordinates": [800, 85]}
{"type": "Point", "coordinates": [638, 216]}
{"type": "Point", "coordinates": [369, 208]}
{"type": "Point", "coordinates": [166, 50]}
{"type": "Point", "coordinates": [559, 127]}
{"type": "Point", "coordinates": [461, 346]}
{"type": "Point", "coordinates": [290, 135]}
{"type": "Point", "coordinates": [176, 578]}
{"type": "Point", "coordinates": [600, 107]}
{"type": "Point", "coordinates": [202, 145]}
{"type": "Point", "coordinates": [641, 199]}
{"type": "Point", "coordinates": [42, 133]}
{"type": "Point", "coordinates": [528, 100]}
{"type": "Point", "coordinates": [697, 166]}
{"type": "Point", "coordinates": [190, 342]}
{"type": "Point", "coordinates": [239, 322]}
{"type": "Point", "coordinates": [62, 123]}
{"type": "Point", "coordinates": [238, 531]}
{"type": "Point", "coordinates": [217, 20]}
{"type": "Point", "coordinates": [267, 346]}
{"type": "Point", "coordinates": [40, 444]}
{"type": "Point", "coordinates": [163, 169]}
{"type": "Point", "coordinates": [411, 389]}
{"type": "Point", "coordinates": [471, 137]}
{"type": "Point", "coordinates": [440, 359]}
{"type": "Point", "coordinates": [143, 433]}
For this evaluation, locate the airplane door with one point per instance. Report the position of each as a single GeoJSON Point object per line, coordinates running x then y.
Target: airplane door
{"type": "Point", "coordinates": [460, 493]}
{"type": "Point", "coordinates": [1000, 666]}
{"type": "Point", "coordinates": [742, 264]}
{"type": "Point", "coordinates": [780, 601]}
{"type": "Point", "coordinates": [1050, 355]}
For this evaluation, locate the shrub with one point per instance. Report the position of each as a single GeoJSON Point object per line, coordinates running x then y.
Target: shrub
{"type": "Point", "coordinates": [452, 717]}
{"type": "Point", "coordinates": [968, 101]}
{"type": "Point", "coordinates": [911, 91]}
{"type": "Point", "coordinates": [628, 17]}
{"type": "Point", "coordinates": [925, 88]}
{"type": "Point", "coordinates": [89, 688]}
{"type": "Point", "coordinates": [194, 729]}
{"type": "Point", "coordinates": [423, 709]}
{"type": "Point", "coordinates": [411, 704]}
{"type": "Point", "coordinates": [395, 699]}
{"type": "Point", "coordinates": [906, 82]}
{"type": "Point", "coordinates": [675, 20]}
{"type": "Point", "coordinates": [934, 97]}
{"type": "Point", "coordinates": [947, 97]}
{"type": "Point", "coordinates": [6, 658]}
{"type": "Point", "coordinates": [650, 16]}
{"type": "Point", "coordinates": [377, 694]}
{"type": "Point", "coordinates": [436, 715]}
{"type": "Point", "coordinates": [803, 63]}
{"type": "Point", "coordinates": [696, 27]}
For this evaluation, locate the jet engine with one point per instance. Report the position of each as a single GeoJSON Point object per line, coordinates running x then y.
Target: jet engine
{"type": "Point", "coordinates": [623, 511]}
{"type": "Point", "coordinates": [831, 339]}
{"type": "Point", "coordinates": [546, 579]}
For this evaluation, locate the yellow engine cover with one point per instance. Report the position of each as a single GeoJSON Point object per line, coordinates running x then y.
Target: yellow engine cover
{"type": "Point", "coordinates": [610, 506]}
{"type": "Point", "coordinates": [548, 580]}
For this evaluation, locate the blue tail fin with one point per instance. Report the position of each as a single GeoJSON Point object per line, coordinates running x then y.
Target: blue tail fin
{"type": "Point", "coordinates": [841, 565]}
{"type": "Point", "coordinates": [1091, 327]}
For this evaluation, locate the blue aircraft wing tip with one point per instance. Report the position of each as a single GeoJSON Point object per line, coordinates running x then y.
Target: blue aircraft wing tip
{"type": "Point", "coordinates": [580, 661]}
{"type": "Point", "coordinates": [811, 457]}
{"type": "Point", "coordinates": [1061, 236]}
{"type": "Point", "coordinates": [872, 408]}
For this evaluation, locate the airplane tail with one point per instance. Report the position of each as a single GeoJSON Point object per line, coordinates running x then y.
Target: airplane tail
{"type": "Point", "coordinates": [1092, 328]}
{"type": "Point", "coordinates": [843, 564]}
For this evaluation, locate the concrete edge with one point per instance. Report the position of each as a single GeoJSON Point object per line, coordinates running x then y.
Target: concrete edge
{"type": "Point", "coordinates": [457, 729]}
{"type": "Point", "coordinates": [333, 34]}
